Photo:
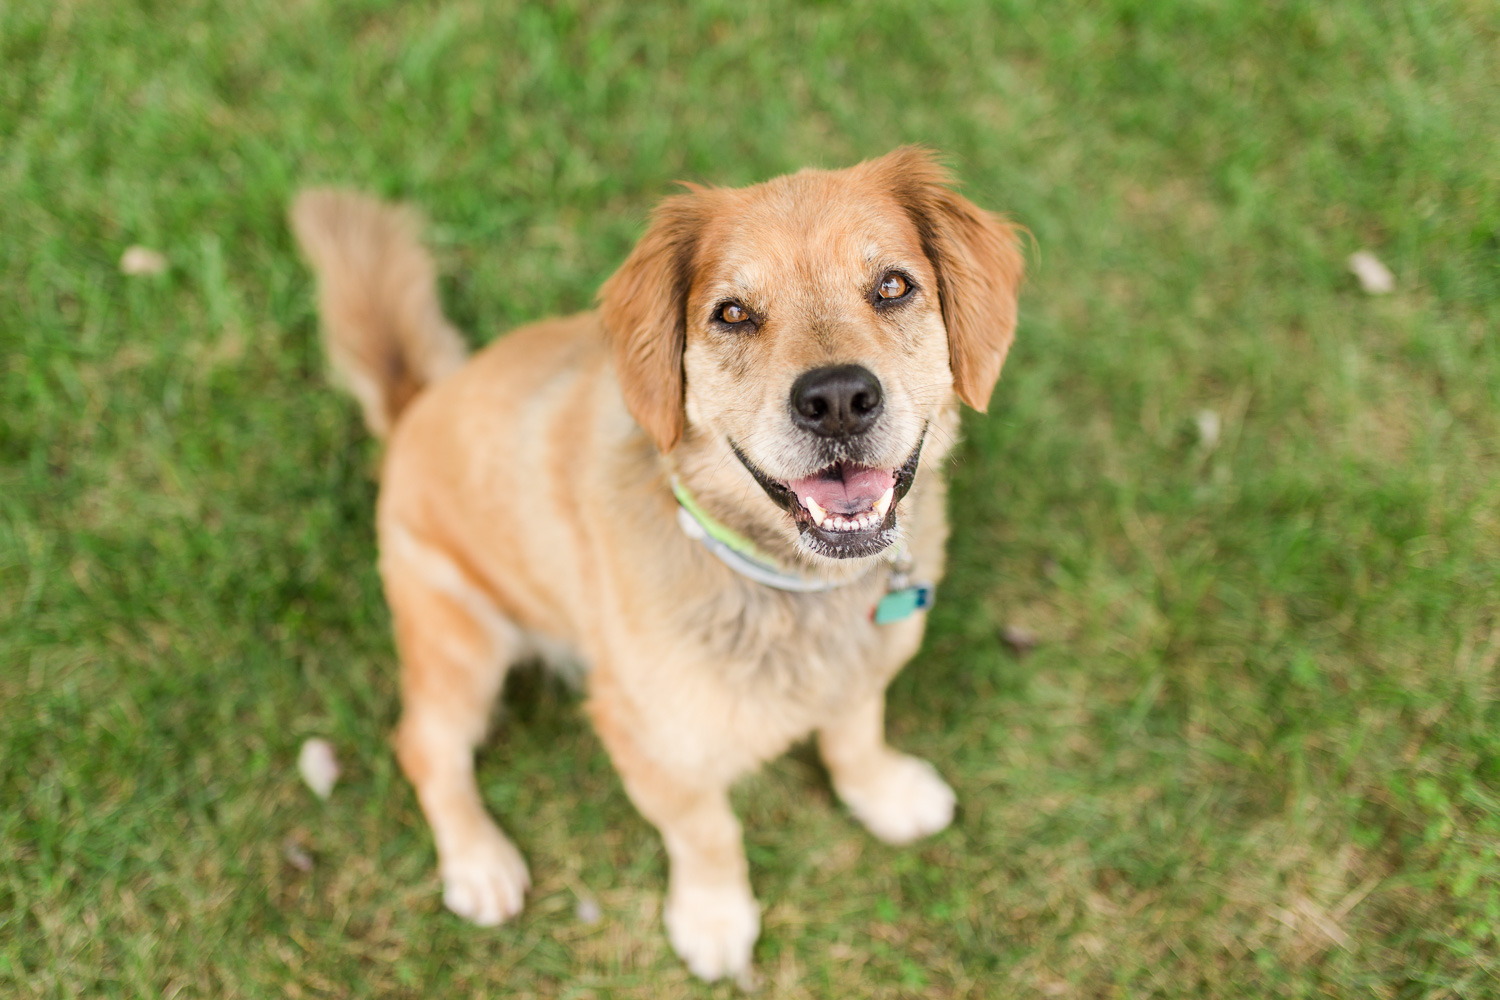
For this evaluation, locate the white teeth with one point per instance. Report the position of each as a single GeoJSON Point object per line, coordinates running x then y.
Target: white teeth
{"type": "Point", "coordinates": [868, 521]}
{"type": "Point", "coordinates": [837, 522]}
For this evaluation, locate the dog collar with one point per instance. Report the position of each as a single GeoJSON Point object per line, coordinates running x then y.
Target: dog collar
{"type": "Point", "coordinates": [735, 550]}
{"type": "Point", "coordinates": [902, 597]}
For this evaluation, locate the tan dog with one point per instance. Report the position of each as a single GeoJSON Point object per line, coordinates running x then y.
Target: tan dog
{"type": "Point", "coordinates": [791, 355]}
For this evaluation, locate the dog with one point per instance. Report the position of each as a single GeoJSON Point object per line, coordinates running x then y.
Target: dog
{"type": "Point", "coordinates": [721, 491]}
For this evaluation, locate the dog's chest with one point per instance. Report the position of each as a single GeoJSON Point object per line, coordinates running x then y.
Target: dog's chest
{"type": "Point", "coordinates": [813, 651]}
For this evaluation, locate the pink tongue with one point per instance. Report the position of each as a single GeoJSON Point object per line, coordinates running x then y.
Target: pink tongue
{"type": "Point", "coordinates": [855, 492]}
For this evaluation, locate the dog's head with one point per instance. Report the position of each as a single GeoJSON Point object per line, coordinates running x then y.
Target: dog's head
{"type": "Point", "coordinates": [816, 326]}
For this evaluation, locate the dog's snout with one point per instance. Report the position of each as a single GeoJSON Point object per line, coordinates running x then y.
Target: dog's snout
{"type": "Point", "coordinates": [837, 401]}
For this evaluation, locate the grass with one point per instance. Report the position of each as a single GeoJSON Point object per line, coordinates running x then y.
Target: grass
{"type": "Point", "coordinates": [1257, 750]}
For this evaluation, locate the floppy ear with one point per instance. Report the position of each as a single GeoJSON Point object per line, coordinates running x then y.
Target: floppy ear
{"type": "Point", "coordinates": [644, 307]}
{"type": "Point", "coordinates": [977, 259]}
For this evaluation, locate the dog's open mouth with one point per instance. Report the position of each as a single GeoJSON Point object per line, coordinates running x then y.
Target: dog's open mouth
{"type": "Point", "coordinates": [844, 510]}
{"type": "Point", "coordinates": [846, 497]}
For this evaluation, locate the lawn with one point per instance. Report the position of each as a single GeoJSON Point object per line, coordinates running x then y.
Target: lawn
{"type": "Point", "coordinates": [1250, 513]}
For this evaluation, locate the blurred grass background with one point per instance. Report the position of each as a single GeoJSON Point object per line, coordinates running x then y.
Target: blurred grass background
{"type": "Point", "coordinates": [1256, 751]}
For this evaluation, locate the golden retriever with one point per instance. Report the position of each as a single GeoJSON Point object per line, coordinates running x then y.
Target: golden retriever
{"type": "Point", "coordinates": [721, 492]}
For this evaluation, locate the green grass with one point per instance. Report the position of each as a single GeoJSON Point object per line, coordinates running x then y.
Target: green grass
{"type": "Point", "coordinates": [1257, 751]}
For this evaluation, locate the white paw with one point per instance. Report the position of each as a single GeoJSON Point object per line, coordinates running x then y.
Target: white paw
{"type": "Point", "coordinates": [486, 880]}
{"type": "Point", "coordinates": [713, 929]}
{"type": "Point", "coordinates": [904, 800]}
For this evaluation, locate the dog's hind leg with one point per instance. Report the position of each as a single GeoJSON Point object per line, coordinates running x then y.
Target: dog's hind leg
{"type": "Point", "coordinates": [455, 647]}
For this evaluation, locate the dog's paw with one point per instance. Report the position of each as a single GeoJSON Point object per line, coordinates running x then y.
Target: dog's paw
{"type": "Point", "coordinates": [485, 881]}
{"type": "Point", "coordinates": [713, 929]}
{"type": "Point", "coordinates": [902, 801]}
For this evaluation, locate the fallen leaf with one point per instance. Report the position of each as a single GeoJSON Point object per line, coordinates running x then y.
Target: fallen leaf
{"type": "Point", "coordinates": [1019, 638]}
{"type": "Point", "coordinates": [1209, 426]}
{"type": "Point", "coordinates": [318, 766]}
{"type": "Point", "coordinates": [139, 260]}
{"type": "Point", "coordinates": [296, 855]}
{"type": "Point", "coordinates": [1374, 277]}
{"type": "Point", "coordinates": [588, 911]}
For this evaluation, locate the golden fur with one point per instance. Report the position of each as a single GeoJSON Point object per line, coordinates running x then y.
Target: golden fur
{"type": "Point", "coordinates": [526, 505]}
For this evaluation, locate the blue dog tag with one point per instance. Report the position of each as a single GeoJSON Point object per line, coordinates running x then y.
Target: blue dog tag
{"type": "Point", "coordinates": [903, 603]}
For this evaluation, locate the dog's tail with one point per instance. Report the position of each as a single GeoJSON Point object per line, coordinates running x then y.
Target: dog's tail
{"type": "Point", "coordinates": [386, 334]}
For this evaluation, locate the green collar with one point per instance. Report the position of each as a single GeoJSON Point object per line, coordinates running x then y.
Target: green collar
{"type": "Point", "coordinates": [735, 550]}
{"type": "Point", "coordinates": [902, 598]}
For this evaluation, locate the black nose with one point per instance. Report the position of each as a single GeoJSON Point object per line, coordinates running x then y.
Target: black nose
{"type": "Point", "coordinates": [838, 401]}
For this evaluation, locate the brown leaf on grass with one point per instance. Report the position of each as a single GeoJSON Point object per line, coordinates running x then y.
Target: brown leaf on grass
{"type": "Point", "coordinates": [1019, 638]}
{"type": "Point", "coordinates": [296, 855]}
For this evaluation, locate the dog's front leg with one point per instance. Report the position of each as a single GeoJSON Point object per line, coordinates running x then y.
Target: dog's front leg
{"type": "Point", "coordinates": [711, 916]}
{"type": "Point", "coordinates": [896, 796]}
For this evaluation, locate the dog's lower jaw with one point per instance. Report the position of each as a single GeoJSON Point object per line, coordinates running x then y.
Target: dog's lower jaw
{"type": "Point", "coordinates": [863, 546]}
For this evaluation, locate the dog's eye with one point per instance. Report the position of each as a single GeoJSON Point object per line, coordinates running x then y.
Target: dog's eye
{"type": "Point", "coordinates": [732, 313]}
{"type": "Point", "coordinates": [893, 286]}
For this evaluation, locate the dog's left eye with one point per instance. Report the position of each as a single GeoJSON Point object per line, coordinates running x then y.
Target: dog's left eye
{"type": "Point", "coordinates": [732, 313]}
{"type": "Point", "coordinates": [893, 286]}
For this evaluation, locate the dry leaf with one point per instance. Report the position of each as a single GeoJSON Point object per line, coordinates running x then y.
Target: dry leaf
{"type": "Point", "coordinates": [139, 260]}
{"type": "Point", "coordinates": [296, 855]}
{"type": "Point", "coordinates": [1019, 638]}
{"type": "Point", "coordinates": [588, 911]}
{"type": "Point", "coordinates": [1209, 426]}
{"type": "Point", "coordinates": [318, 766]}
{"type": "Point", "coordinates": [1374, 277]}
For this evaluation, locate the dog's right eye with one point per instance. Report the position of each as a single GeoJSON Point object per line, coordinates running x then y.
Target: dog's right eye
{"type": "Point", "coordinates": [732, 313]}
